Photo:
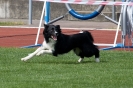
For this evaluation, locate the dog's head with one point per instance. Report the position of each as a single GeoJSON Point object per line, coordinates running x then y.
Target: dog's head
{"type": "Point", "coordinates": [51, 31]}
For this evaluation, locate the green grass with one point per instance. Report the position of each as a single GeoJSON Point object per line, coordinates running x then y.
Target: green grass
{"type": "Point", "coordinates": [11, 23]}
{"type": "Point", "coordinates": [114, 71]}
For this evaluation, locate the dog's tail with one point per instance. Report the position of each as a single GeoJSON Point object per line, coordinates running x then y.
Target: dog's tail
{"type": "Point", "coordinates": [89, 34]}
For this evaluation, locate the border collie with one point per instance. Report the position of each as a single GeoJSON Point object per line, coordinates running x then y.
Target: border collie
{"type": "Point", "coordinates": [58, 43]}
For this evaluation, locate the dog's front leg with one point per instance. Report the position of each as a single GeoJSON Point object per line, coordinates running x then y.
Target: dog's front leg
{"type": "Point", "coordinates": [32, 54]}
{"type": "Point", "coordinates": [44, 52]}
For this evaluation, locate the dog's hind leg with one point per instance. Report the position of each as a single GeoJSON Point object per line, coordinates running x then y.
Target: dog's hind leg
{"type": "Point", "coordinates": [97, 56]}
{"type": "Point", "coordinates": [32, 54]}
{"type": "Point", "coordinates": [78, 51]}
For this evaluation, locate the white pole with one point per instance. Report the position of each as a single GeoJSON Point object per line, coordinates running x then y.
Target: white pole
{"type": "Point", "coordinates": [40, 23]}
{"type": "Point", "coordinates": [102, 44]}
{"type": "Point", "coordinates": [118, 27]}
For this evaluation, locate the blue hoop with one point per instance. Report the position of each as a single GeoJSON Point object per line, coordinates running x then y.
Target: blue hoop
{"type": "Point", "coordinates": [86, 16]}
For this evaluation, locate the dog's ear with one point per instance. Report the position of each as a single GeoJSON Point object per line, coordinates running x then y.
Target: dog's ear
{"type": "Point", "coordinates": [45, 26]}
{"type": "Point", "coordinates": [58, 26]}
{"type": "Point", "coordinates": [45, 29]}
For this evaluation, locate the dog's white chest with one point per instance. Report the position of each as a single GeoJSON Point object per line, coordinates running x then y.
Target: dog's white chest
{"type": "Point", "coordinates": [49, 45]}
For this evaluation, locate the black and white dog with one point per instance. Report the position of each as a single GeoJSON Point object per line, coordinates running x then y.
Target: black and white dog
{"type": "Point", "coordinates": [58, 43]}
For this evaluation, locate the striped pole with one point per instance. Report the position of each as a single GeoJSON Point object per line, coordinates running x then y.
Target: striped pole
{"type": "Point", "coordinates": [89, 2]}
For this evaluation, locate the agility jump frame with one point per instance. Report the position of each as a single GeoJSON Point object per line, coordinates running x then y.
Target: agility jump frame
{"type": "Point", "coordinates": [72, 12]}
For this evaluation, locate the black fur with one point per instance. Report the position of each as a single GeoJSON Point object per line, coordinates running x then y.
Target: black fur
{"type": "Point", "coordinates": [80, 43]}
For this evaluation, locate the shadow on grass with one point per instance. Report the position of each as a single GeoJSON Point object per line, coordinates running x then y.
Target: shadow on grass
{"type": "Point", "coordinates": [84, 62]}
{"type": "Point", "coordinates": [64, 62]}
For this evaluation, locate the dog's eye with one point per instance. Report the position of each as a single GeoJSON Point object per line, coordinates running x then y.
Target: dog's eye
{"type": "Point", "coordinates": [52, 29]}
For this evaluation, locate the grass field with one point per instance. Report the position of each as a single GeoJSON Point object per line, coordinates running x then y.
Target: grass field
{"type": "Point", "coordinates": [114, 71]}
{"type": "Point", "coordinates": [11, 23]}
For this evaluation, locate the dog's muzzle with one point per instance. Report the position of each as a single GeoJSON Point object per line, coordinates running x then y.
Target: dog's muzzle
{"type": "Point", "coordinates": [54, 37]}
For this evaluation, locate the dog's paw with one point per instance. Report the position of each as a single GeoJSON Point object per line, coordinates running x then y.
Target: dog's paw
{"type": "Point", "coordinates": [24, 59]}
{"type": "Point", "coordinates": [97, 60]}
{"type": "Point", "coordinates": [80, 60]}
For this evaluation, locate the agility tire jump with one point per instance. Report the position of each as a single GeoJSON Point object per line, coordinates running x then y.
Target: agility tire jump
{"type": "Point", "coordinates": [86, 16]}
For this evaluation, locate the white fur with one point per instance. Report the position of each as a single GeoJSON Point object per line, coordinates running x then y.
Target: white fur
{"type": "Point", "coordinates": [97, 59]}
{"type": "Point", "coordinates": [81, 31]}
{"type": "Point", "coordinates": [80, 60]}
{"type": "Point", "coordinates": [45, 48]}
